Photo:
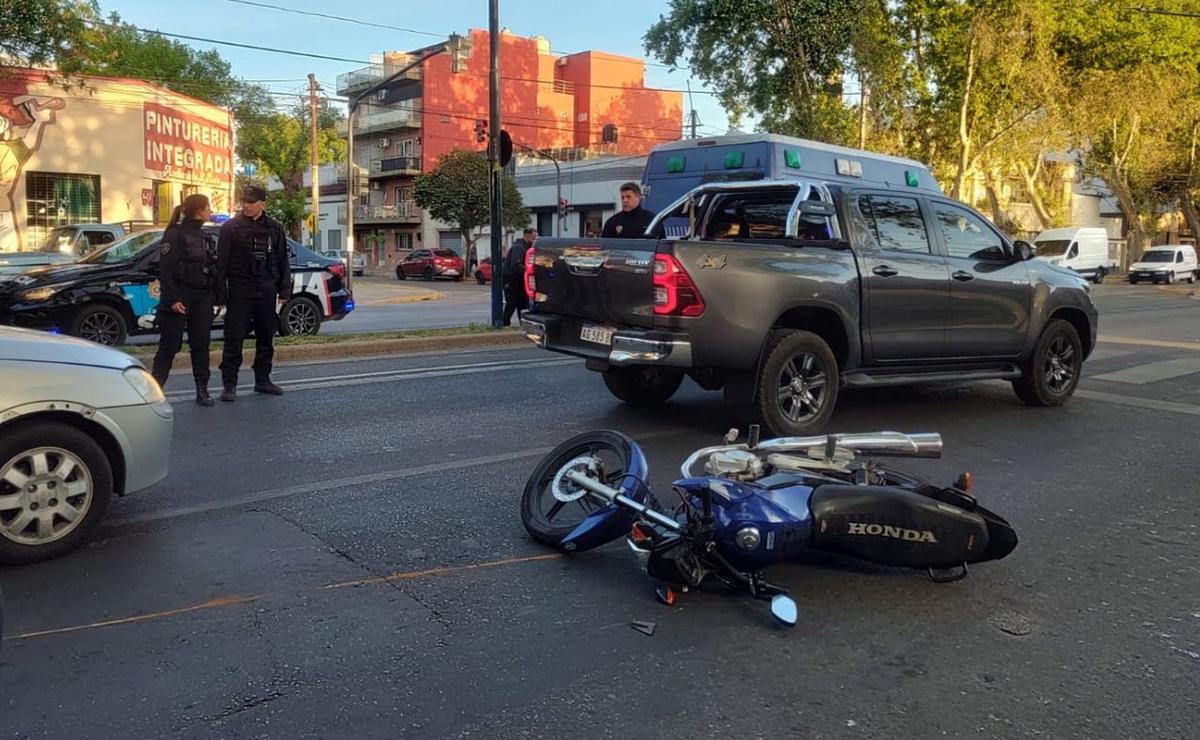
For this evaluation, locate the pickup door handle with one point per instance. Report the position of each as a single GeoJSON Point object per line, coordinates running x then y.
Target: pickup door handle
{"type": "Point", "coordinates": [885, 271]}
{"type": "Point", "coordinates": [962, 276]}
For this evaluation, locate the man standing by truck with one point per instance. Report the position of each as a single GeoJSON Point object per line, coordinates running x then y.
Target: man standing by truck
{"type": "Point", "coordinates": [632, 220]}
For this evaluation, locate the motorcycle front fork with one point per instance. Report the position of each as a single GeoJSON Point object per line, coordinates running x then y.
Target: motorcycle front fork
{"type": "Point", "coordinates": [753, 584]}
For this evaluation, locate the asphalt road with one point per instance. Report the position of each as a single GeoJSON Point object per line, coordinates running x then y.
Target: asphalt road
{"type": "Point", "coordinates": [348, 560]}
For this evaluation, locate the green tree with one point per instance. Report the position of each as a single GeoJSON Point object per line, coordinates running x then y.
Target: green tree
{"type": "Point", "coordinates": [44, 33]}
{"type": "Point", "coordinates": [456, 192]}
{"type": "Point", "coordinates": [280, 143]}
{"type": "Point", "coordinates": [781, 59]}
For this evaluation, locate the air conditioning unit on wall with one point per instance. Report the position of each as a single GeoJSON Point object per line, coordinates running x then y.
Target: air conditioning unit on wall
{"type": "Point", "coordinates": [385, 142]}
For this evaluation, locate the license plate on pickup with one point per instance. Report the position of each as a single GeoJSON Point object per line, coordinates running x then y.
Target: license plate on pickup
{"type": "Point", "coordinates": [597, 334]}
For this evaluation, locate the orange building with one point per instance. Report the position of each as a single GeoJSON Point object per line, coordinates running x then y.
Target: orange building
{"type": "Point", "coordinates": [586, 102]}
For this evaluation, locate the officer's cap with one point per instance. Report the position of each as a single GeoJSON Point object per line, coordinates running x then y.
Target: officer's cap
{"type": "Point", "coordinates": [253, 194]}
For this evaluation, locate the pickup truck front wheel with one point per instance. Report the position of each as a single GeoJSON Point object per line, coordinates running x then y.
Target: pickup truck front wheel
{"type": "Point", "coordinates": [642, 386]}
{"type": "Point", "coordinates": [797, 384]}
{"type": "Point", "coordinates": [1053, 372]}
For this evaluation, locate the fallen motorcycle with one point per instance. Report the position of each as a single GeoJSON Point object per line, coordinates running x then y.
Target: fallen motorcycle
{"type": "Point", "coordinates": [759, 503]}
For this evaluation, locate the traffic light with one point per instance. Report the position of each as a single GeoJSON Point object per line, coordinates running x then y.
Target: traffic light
{"type": "Point", "coordinates": [480, 130]}
{"type": "Point", "coordinates": [562, 207]}
{"type": "Point", "coordinates": [460, 51]}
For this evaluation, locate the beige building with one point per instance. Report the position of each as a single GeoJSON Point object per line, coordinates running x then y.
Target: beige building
{"type": "Point", "coordinates": [104, 150]}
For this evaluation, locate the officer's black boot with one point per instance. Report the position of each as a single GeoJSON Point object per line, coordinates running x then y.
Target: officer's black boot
{"type": "Point", "coordinates": [202, 396]}
{"type": "Point", "coordinates": [229, 394]}
{"type": "Point", "coordinates": [266, 386]}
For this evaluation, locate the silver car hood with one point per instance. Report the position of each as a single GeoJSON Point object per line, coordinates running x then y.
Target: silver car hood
{"type": "Point", "coordinates": [39, 346]}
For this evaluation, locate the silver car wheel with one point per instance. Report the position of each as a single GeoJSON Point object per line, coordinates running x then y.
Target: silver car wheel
{"type": "Point", "coordinates": [45, 493]}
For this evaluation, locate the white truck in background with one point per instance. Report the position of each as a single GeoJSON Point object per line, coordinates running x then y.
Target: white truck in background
{"type": "Point", "coordinates": [1083, 249]}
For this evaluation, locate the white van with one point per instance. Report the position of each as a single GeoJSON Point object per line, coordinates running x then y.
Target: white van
{"type": "Point", "coordinates": [1166, 262]}
{"type": "Point", "coordinates": [1084, 249]}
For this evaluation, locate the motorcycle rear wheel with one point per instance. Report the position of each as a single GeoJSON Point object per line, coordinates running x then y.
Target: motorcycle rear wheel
{"type": "Point", "coordinates": [547, 518]}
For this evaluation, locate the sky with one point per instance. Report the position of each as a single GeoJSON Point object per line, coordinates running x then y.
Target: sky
{"type": "Point", "coordinates": [570, 26]}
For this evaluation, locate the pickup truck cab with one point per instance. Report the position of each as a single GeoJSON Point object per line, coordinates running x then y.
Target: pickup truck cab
{"type": "Point", "coordinates": [64, 245]}
{"type": "Point", "coordinates": [782, 292]}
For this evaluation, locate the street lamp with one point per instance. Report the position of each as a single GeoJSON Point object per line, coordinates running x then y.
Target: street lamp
{"type": "Point", "coordinates": [558, 184]}
{"type": "Point", "coordinates": [460, 50]}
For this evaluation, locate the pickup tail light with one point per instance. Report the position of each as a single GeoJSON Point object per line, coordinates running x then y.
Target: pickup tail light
{"type": "Point", "coordinates": [530, 280]}
{"type": "Point", "coordinates": [674, 292]}
{"type": "Point", "coordinates": [337, 268]}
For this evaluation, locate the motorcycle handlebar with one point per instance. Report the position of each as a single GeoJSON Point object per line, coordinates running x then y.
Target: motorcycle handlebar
{"type": "Point", "coordinates": [878, 444]}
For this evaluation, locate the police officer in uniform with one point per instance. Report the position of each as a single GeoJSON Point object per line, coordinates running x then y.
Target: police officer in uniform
{"type": "Point", "coordinates": [252, 261]}
{"type": "Point", "coordinates": [632, 220]}
{"type": "Point", "coordinates": [188, 282]}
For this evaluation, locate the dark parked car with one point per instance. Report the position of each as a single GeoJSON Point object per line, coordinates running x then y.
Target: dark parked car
{"type": "Point", "coordinates": [113, 292]}
{"type": "Point", "coordinates": [430, 264]}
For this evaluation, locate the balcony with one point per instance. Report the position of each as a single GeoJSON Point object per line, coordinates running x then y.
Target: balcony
{"type": "Point", "coordinates": [353, 83]}
{"type": "Point", "coordinates": [370, 120]}
{"type": "Point", "coordinates": [405, 211]}
{"type": "Point", "coordinates": [394, 166]}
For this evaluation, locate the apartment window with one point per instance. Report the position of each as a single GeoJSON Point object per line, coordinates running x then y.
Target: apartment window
{"type": "Point", "coordinates": [406, 148]}
{"type": "Point", "coordinates": [57, 199]}
{"type": "Point", "coordinates": [404, 242]}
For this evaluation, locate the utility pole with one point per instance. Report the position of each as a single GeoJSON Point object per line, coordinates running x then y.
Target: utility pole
{"type": "Point", "coordinates": [691, 104]}
{"type": "Point", "coordinates": [494, 159]}
{"type": "Point", "coordinates": [313, 88]}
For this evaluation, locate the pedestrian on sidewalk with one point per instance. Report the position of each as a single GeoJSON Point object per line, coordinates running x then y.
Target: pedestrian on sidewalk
{"type": "Point", "coordinates": [187, 275]}
{"type": "Point", "coordinates": [514, 276]}
{"type": "Point", "coordinates": [254, 271]}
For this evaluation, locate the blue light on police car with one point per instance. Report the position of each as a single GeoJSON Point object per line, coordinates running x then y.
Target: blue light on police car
{"type": "Point", "coordinates": [219, 218]}
{"type": "Point", "coordinates": [349, 305]}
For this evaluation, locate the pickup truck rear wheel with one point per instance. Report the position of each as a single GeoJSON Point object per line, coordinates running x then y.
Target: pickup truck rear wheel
{"type": "Point", "coordinates": [1053, 372]}
{"type": "Point", "coordinates": [642, 386]}
{"type": "Point", "coordinates": [797, 384]}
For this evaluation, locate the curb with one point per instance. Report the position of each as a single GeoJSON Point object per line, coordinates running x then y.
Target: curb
{"type": "Point", "coordinates": [426, 295]}
{"type": "Point", "coordinates": [366, 348]}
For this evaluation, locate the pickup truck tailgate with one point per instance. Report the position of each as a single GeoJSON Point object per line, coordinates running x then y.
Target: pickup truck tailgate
{"type": "Point", "coordinates": [601, 280]}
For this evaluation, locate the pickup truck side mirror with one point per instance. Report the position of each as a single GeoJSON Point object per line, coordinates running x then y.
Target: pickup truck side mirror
{"type": "Point", "coordinates": [1024, 249]}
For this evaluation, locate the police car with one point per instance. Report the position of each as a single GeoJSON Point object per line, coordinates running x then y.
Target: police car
{"type": "Point", "coordinates": [114, 292]}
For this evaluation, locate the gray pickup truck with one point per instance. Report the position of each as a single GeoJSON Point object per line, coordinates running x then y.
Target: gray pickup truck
{"type": "Point", "coordinates": [783, 292]}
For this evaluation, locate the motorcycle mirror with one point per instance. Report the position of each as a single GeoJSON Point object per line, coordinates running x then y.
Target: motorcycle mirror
{"type": "Point", "coordinates": [784, 609]}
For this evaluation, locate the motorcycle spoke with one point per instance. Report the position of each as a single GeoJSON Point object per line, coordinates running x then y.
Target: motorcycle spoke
{"type": "Point", "coordinates": [558, 506]}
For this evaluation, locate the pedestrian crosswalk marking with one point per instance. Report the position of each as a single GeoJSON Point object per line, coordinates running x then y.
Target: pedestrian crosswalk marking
{"type": "Point", "coordinates": [1153, 372]}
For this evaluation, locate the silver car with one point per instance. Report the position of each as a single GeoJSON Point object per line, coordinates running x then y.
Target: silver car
{"type": "Point", "coordinates": [79, 422]}
{"type": "Point", "coordinates": [360, 262]}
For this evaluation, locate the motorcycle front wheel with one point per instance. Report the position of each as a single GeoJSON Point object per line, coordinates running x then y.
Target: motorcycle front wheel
{"type": "Point", "coordinates": [552, 506]}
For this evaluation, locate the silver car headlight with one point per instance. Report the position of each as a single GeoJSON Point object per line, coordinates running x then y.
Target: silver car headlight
{"type": "Point", "coordinates": [145, 385]}
{"type": "Point", "coordinates": [39, 294]}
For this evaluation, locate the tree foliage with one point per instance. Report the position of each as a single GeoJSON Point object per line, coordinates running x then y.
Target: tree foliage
{"type": "Point", "coordinates": [456, 192]}
{"type": "Point", "coordinates": [1000, 92]}
{"type": "Point", "coordinates": [44, 33]}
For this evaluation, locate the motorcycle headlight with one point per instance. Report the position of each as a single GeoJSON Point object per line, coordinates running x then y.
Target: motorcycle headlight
{"type": "Point", "coordinates": [145, 384]}
{"type": "Point", "coordinates": [39, 294]}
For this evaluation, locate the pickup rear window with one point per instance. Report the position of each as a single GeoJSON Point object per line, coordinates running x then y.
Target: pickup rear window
{"type": "Point", "coordinates": [761, 215]}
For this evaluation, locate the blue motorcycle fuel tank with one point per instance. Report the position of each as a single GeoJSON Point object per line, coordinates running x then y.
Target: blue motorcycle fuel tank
{"type": "Point", "coordinates": [756, 525]}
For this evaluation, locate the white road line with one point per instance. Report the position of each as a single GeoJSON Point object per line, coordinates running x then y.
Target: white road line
{"type": "Point", "coordinates": [1141, 403]}
{"type": "Point", "coordinates": [387, 376]}
{"type": "Point", "coordinates": [1153, 372]}
{"type": "Point", "coordinates": [334, 484]}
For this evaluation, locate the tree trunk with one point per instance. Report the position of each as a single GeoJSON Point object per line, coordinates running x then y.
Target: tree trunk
{"type": "Point", "coordinates": [1133, 221]}
{"type": "Point", "coordinates": [1188, 206]}
{"type": "Point", "coordinates": [999, 216]}
{"type": "Point", "coordinates": [964, 130]}
{"type": "Point", "coordinates": [1045, 219]}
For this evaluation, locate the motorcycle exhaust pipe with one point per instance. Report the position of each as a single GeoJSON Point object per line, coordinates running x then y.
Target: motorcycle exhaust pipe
{"type": "Point", "coordinates": [882, 444]}
{"type": "Point", "coordinates": [613, 496]}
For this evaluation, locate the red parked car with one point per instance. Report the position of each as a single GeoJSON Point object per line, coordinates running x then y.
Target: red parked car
{"type": "Point", "coordinates": [483, 273]}
{"type": "Point", "coordinates": [430, 264]}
